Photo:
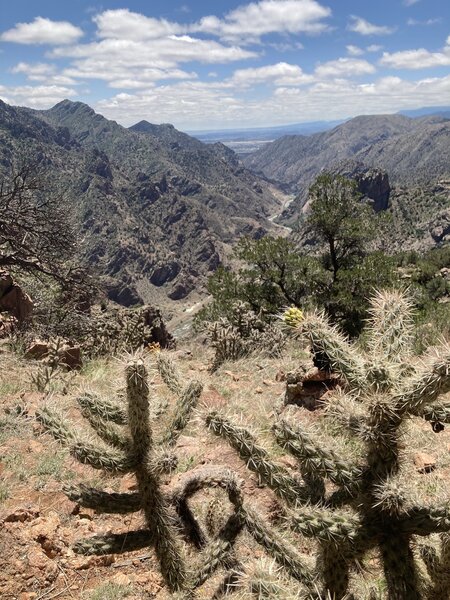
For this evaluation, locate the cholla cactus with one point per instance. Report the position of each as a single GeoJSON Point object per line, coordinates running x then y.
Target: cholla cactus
{"type": "Point", "coordinates": [242, 333]}
{"type": "Point", "coordinates": [368, 507]}
{"type": "Point", "coordinates": [125, 442]}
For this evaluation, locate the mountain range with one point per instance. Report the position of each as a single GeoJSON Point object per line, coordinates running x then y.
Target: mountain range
{"type": "Point", "coordinates": [156, 209]}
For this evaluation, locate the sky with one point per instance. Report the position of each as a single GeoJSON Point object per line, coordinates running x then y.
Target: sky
{"type": "Point", "coordinates": [226, 64]}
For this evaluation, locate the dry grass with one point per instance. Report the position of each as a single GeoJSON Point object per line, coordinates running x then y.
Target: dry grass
{"type": "Point", "coordinates": [34, 467]}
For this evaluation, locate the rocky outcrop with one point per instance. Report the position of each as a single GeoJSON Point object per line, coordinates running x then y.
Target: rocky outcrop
{"type": "Point", "coordinates": [13, 299]}
{"type": "Point", "coordinates": [307, 387]}
{"type": "Point", "coordinates": [372, 183]}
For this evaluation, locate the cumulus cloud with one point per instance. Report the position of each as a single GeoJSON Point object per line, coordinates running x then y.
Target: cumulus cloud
{"type": "Point", "coordinates": [164, 52]}
{"type": "Point", "coordinates": [417, 59]}
{"type": "Point", "coordinates": [251, 21]}
{"type": "Point", "coordinates": [43, 31]}
{"type": "Point", "coordinates": [279, 74]}
{"type": "Point", "coordinates": [40, 96]}
{"type": "Point", "coordinates": [127, 25]}
{"type": "Point", "coordinates": [360, 25]}
{"type": "Point", "coordinates": [187, 103]}
{"type": "Point", "coordinates": [44, 72]}
{"type": "Point", "coordinates": [345, 67]}
{"type": "Point", "coordinates": [374, 48]}
{"type": "Point", "coordinates": [354, 50]}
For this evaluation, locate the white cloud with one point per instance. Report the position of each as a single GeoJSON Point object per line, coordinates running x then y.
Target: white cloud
{"type": "Point", "coordinates": [251, 21]}
{"type": "Point", "coordinates": [410, 2]}
{"type": "Point", "coordinates": [41, 96]}
{"type": "Point", "coordinates": [363, 27]}
{"type": "Point", "coordinates": [345, 67]}
{"type": "Point", "coordinates": [374, 48]}
{"type": "Point", "coordinates": [126, 25]}
{"type": "Point", "coordinates": [196, 105]}
{"type": "Point", "coordinates": [417, 59]}
{"type": "Point", "coordinates": [43, 31]}
{"type": "Point", "coordinates": [413, 22]}
{"type": "Point", "coordinates": [279, 74]}
{"type": "Point", "coordinates": [161, 53]}
{"type": "Point", "coordinates": [44, 72]}
{"type": "Point", "coordinates": [354, 50]}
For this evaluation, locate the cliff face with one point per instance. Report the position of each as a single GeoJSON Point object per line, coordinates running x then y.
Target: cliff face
{"type": "Point", "coordinates": [156, 210]}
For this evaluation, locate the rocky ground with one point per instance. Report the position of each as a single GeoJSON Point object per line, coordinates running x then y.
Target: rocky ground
{"type": "Point", "coordinates": [39, 524]}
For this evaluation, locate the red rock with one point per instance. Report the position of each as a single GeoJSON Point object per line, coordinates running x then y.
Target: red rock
{"type": "Point", "coordinates": [21, 515]}
{"type": "Point", "coordinates": [425, 463]}
{"type": "Point", "coordinates": [37, 559]}
{"type": "Point", "coordinates": [280, 376]}
{"type": "Point", "coordinates": [37, 350]}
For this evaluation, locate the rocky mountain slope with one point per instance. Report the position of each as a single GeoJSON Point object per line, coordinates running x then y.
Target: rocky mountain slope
{"type": "Point", "coordinates": [156, 209]}
{"type": "Point", "coordinates": [410, 150]}
{"type": "Point", "coordinates": [400, 163]}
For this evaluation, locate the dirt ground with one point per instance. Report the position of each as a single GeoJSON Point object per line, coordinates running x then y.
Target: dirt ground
{"type": "Point", "coordinates": [39, 524]}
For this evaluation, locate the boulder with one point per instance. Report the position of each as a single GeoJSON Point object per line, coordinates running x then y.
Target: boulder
{"type": "Point", "coordinates": [306, 387]}
{"type": "Point", "coordinates": [69, 355]}
{"type": "Point", "coordinates": [13, 299]}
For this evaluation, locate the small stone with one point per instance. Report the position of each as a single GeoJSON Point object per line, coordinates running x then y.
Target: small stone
{"type": "Point", "coordinates": [121, 579]}
{"type": "Point", "coordinates": [35, 447]}
{"type": "Point", "coordinates": [21, 515]}
{"type": "Point", "coordinates": [258, 390]}
{"type": "Point", "coordinates": [425, 463]}
{"type": "Point", "coordinates": [280, 376]}
{"type": "Point", "coordinates": [27, 595]}
{"type": "Point", "coordinates": [37, 559]}
{"type": "Point", "coordinates": [267, 382]}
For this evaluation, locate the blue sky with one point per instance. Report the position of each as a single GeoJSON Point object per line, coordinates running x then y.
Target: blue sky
{"type": "Point", "coordinates": [218, 65]}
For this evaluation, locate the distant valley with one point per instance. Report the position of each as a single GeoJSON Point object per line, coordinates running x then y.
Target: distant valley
{"type": "Point", "coordinates": [158, 210]}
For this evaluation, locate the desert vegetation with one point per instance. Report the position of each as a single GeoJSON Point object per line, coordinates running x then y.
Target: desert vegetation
{"type": "Point", "coordinates": [131, 467]}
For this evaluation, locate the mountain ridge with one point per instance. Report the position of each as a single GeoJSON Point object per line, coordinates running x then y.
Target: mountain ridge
{"type": "Point", "coordinates": [157, 212]}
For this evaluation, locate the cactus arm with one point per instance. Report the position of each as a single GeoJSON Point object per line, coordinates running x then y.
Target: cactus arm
{"type": "Point", "coordinates": [209, 477]}
{"type": "Point", "coordinates": [257, 459]}
{"type": "Point", "coordinates": [97, 456]}
{"type": "Point", "coordinates": [186, 403]}
{"type": "Point", "coordinates": [284, 553]}
{"type": "Point", "coordinates": [101, 458]}
{"type": "Point", "coordinates": [314, 457]}
{"type": "Point", "coordinates": [327, 340]}
{"type": "Point", "coordinates": [421, 520]}
{"type": "Point", "coordinates": [159, 521]}
{"type": "Point", "coordinates": [438, 412]}
{"type": "Point", "coordinates": [55, 424]}
{"type": "Point", "coordinates": [426, 385]}
{"type": "Point", "coordinates": [103, 502]}
{"type": "Point", "coordinates": [114, 543]}
{"type": "Point", "coordinates": [108, 432]}
{"type": "Point", "coordinates": [218, 551]}
{"type": "Point", "coordinates": [326, 526]}
{"type": "Point", "coordinates": [391, 326]}
{"type": "Point", "coordinates": [103, 407]}
{"type": "Point", "coordinates": [169, 374]}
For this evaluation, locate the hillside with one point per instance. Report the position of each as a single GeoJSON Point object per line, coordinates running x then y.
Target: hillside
{"type": "Point", "coordinates": [156, 209]}
{"type": "Point", "coordinates": [405, 163]}
{"type": "Point", "coordinates": [410, 150]}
